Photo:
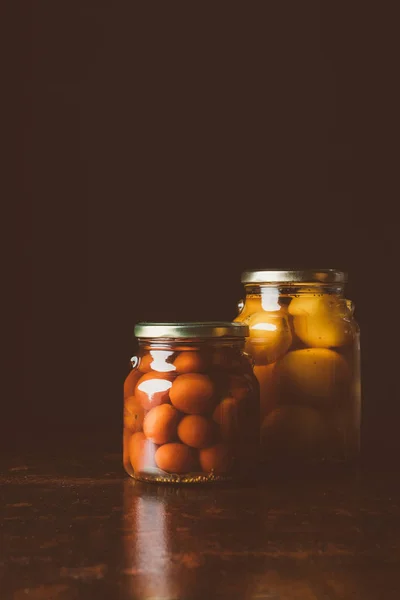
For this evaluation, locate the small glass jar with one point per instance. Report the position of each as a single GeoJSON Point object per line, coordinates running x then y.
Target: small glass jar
{"type": "Point", "coordinates": [305, 344]}
{"type": "Point", "coordinates": [191, 404]}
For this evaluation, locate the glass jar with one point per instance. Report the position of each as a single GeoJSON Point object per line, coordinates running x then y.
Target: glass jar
{"type": "Point", "coordinates": [305, 345]}
{"type": "Point", "coordinates": [191, 404]}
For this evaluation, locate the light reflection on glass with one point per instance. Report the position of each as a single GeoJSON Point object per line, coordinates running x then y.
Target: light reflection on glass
{"type": "Point", "coordinates": [264, 327]}
{"type": "Point", "coordinates": [269, 299]}
{"type": "Point", "coordinates": [159, 362]}
{"type": "Point", "coordinates": [154, 386]}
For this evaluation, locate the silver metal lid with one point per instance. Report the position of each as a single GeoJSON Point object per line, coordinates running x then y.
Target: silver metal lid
{"type": "Point", "coordinates": [212, 329]}
{"type": "Point", "coordinates": [292, 276]}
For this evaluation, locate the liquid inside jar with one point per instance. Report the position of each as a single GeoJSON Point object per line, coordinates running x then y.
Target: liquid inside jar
{"type": "Point", "coordinates": [191, 413]}
{"type": "Point", "coordinates": [305, 345]}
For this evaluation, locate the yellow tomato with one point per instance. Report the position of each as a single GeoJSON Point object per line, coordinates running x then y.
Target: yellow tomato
{"type": "Point", "coordinates": [313, 376]}
{"type": "Point", "coordinates": [321, 321]}
{"type": "Point", "coordinates": [270, 337]}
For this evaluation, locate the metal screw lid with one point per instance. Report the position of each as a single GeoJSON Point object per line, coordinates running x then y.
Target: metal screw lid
{"type": "Point", "coordinates": [293, 276]}
{"type": "Point", "coordinates": [211, 329]}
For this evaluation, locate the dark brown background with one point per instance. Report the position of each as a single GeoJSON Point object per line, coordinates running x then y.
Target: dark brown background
{"type": "Point", "coordinates": [161, 149]}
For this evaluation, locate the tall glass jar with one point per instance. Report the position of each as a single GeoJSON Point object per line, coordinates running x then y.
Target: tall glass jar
{"type": "Point", "coordinates": [305, 344]}
{"type": "Point", "coordinates": [191, 404]}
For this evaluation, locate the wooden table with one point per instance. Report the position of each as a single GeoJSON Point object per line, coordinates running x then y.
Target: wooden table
{"type": "Point", "coordinates": [81, 529]}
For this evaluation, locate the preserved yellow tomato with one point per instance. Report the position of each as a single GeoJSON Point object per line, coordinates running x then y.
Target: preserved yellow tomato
{"type": "Point", "coordinates": [320, 321]}
{"type": "Point", "coordinates": [313, 376]}
{"type": "Point", "coordinates": [270, 337]}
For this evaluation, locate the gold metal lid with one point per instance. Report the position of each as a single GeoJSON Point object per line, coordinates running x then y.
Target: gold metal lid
{"type": "Point", "coordinates": [211, 329]}
{"type": "Point", "coordinates": [292, 276]}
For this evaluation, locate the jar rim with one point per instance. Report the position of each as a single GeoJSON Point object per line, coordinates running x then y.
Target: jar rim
{"type": "Point", "coordinates": [206, 329]}
{"type": "Point", "coordinates": [293, 276]}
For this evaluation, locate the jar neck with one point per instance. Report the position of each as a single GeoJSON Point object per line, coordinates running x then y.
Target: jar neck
{"type": "Point", "coordinates": [271, 291]}
{"type": "Point", "coordinates": [182, 344]}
